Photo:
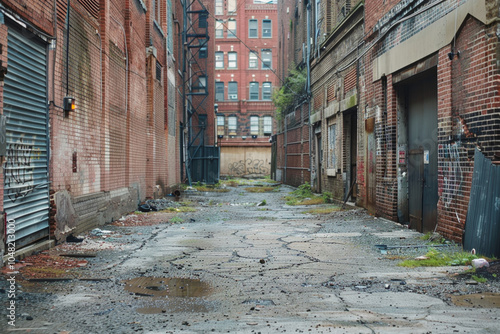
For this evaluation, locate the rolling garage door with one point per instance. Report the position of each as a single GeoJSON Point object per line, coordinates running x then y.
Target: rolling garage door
{"type": "Point", "coordinates": [26, 191]}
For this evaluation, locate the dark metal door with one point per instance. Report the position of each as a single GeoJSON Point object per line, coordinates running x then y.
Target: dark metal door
{"type": "Point", "coordinates": [416, 184]}
{"type": "Point", "coordinates": [26, 191]}
{"type": "Point", "coordinates": [422, 144]}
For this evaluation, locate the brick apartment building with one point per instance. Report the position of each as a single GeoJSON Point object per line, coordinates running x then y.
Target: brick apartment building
{"type": "Point", "coordinates": [246, 55]}
{"type": "Point", "coordinates": [121, 62]}
{"type": "Point", "coordinates": [403, 96]}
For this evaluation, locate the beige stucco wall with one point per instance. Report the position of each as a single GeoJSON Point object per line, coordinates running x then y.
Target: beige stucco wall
{"type": "Point", "coordinates": [245, 161]}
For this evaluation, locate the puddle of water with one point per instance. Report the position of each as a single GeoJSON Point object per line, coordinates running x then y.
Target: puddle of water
{"type": "Point", "coordinates": [170, 295]}
{"type": "Point", "coordinates": [484, 300]}
{"type": "Point", "coordinates": [167, 287]}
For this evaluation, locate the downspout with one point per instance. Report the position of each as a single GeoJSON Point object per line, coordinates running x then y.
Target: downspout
{"type": "Point", "coordinates": [308, 86]}
{"type": "Point", "coordinates": [67, 46]}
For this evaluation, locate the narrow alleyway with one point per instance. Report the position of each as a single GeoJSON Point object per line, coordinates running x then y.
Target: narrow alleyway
{"type": "Point", "coordinates": [242, 262]}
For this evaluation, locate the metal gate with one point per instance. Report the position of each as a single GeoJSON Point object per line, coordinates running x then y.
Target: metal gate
{"type": "Point", "coordinates": [26, 194]}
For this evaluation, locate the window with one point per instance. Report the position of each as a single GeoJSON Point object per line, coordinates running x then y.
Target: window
{"type": "Point", "coordinates": [266, 29]}
{"type": "Point", "coordinates": [232, 90]}
{"type": "Point", "coordinates": [219, 29]}
{"type": "Point", "coordinates": [332, 138]}
{"type": "Point", "coordinates": [220, 125]}
{"type": "Point", "coordinates": [219, 7]}
{"type": "Point", "coordinates": [254, 91]}
{"type": "Point", "coordinates": [268, 125]}
{"type": "Point", "coordinates": [253, 29]}
{"type": "Point", "coordinates": [267, 59]}
{"type": "Point", "coordinates": [231, 28]}
{"type": "Point", "coordinates": [219, 59]}
{"type": "Point", "coordinates": [266, 90]}
{"type": "Point", "coordinates": [201, 85]}
{"type": "Point", "coordinates": [253, 61]}
{"type": "Point", "coordinates": [203, 49]}
{"type": "Point", "coordinates": [202, 20]}
{"type": "Point", "coordinates": [170, 27]}
{"type": "Point", "coordinates": [157, 11]}
{"type": "Point", "coordinates": [232, 125]}
{"type": "Point", "coordinates": [254, 125]}
{"type": "Point", "coordinates": [219, 91]}
{"type": "Point", "coordinates": [231, 6]}
{"type": "Point", "coordinates": [232, 61]}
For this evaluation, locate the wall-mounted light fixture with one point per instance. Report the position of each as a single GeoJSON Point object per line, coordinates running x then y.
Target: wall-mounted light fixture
{"type": "Point", "coordinates": [243, 137]}
{"type": "Point", "coordinates": [452, 55]}
{"type": "Point", "coordinates": [69, 104]}
{"type": "Point", "coordinates": [254, 136]}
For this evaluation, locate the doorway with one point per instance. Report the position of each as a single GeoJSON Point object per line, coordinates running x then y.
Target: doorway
{"type": "Point", "coordinates": [422, 127]}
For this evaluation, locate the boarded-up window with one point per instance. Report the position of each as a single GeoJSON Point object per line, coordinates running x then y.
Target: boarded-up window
{"type": "Point", "coordinates": [331, 92]}
{"type": "Point", "coordinates": [332, 139]}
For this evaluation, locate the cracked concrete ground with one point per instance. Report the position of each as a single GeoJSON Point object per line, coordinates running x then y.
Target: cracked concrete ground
{"type": "Point", "coordinates": [234, 267]}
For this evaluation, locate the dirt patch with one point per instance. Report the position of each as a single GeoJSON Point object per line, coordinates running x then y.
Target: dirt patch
{"type": "Point", "coordinates": [43, 266]}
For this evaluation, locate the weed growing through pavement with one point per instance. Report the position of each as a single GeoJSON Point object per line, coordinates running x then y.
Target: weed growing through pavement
{"type": "Point", "coordinates": [435, 258]}
{"type": "Point", "coordinates": [323, 211]}
{"type": "Point", "coordinates": [176, 220]}
{"type": "Point", "coordinates": [479, 279]}
{"type": "Point", "coordinates": [304, 195]}
{"type": "Point", "coordinates": [259, 189]}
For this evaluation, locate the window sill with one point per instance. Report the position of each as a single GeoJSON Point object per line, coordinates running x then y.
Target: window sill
{"type": "Point", "coordinates": [160, 30]}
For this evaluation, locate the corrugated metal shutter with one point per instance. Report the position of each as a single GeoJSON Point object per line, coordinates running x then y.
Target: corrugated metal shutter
{"type": "Point", "coordinates": [26, 194]}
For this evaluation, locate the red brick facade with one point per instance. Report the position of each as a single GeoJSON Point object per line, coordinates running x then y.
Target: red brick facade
{"type": "Point", "coordinates": [411, 57]}
{"type": "Point", "coordinates": [242, 72]}
{"type": "Point", "coordinates": [121, 144]}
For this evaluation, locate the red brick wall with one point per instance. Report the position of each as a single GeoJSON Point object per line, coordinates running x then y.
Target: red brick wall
{"type": "Point", "coordinates": [468, 117]}
{"type": "Point", "coordinates": [117, 133]}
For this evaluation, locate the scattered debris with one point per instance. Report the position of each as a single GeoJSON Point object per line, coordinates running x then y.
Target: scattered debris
{"type": "Point", "coordinates": [479, 263]}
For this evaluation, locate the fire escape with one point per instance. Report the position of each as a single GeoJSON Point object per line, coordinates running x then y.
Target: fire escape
{"type": "Point", "coordinates": [200, 162]}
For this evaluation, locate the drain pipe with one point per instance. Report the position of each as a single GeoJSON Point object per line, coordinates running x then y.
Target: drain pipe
{"type": "Point", "coordinates": [308, 87]}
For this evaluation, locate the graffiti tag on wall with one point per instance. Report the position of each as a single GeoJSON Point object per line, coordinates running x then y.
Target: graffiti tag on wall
{"type": "Point", "coordinates": [18, 170]}
{"type": "Point", "coordinates": [248, 166]}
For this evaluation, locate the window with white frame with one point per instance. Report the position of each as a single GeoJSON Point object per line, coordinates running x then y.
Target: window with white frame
{"type": "Point", "coordinates": [231, 6]}
{"type": "Point", "coordinates": [253, 60]}
{"type": "Point", "coordinates": [268, 125]}
{"type": "Point", "coordinates": [332, 138]}
{"type": "Point", "coordinates": [266, 29]}
{"type": "Point", "coordinates": [232, 90]}
{"type": "Point", "coordinates": [253, 91]}
{"type": "Point", "coordinates": [232, 123]}
{"type": "Point", "coordinates": [231, 28]}
{"type": "Point", "coordinates": [254, 125]}
{"type": "Point", "coordinates": [219, 91]}
{"type": "Point", "coordinates": [232, 60]}
{"type": "Point", "coordinates": [266, 90]}
{"type": "Point", "coordinates": [253, 27]}
{"type": "Point", "coordinates": [267, 59]}
{"type": "Point", "coordinates": [219, 59]}
{"type": "Point", "coordinates": [220, 125]}
{"type": "Point", "coordinates": [219, 7]}
{"type": "Point", "coordinates": [219, 29]}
